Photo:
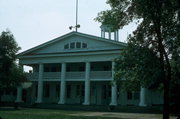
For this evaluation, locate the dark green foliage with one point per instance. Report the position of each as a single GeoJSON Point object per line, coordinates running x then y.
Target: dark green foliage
{"type": "Point", "coordinates": [138, 66]}
{"type": "Point", "coordinates": [10, 74]}
{"type": "Point", "coordinates": [154, 45]}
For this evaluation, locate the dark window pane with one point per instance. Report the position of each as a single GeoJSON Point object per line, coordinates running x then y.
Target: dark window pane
{"type": "Point", "coordinates": [109, 91]}
{"type": "Point", "coordinates": [36, 90]}
{"type": "Point", "coordinates": [136, 95]}
{"type": "Point", "coordinates": [72, 45]}
{"type": "Point", "coordinates": [82, 90]}
{"type": "Point", "coordinates": [68, 69]}
{"type": "Point", "coordinates": [82, 68]}
{"type": "Point", "coordinates": [57, 90]}
{"type": "Point", "coordinates": [46, 90]}
{"type": "Point", "coordinates": [68, 91]}
{"type": "Point", "coordinates": [106, 68]}
{"type": "Point", "coordinates": [54, 69]}
{"type": "Point", "coordinates": [78, 90]}
{"type": "Point", "coordinates": [46, 69]}
{"type": "Point", "coordinates": [78, 45]}
{"type": "Point", "coordinates": [129, 95]}
{"type": "Point", "coordinates": [66, 46]}
{"type": "Point", "coordinates": [84, 45]}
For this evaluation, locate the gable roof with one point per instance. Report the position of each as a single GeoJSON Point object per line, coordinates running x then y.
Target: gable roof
{"type": "Point", "coordinates": [68, 35]}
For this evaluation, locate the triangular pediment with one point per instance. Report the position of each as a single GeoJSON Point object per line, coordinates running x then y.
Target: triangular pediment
{"type": "Point", "coordinates": [81, 42]}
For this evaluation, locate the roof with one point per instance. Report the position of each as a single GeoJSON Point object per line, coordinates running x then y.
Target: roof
{"type": "Point", "coordinates": [68, 35]}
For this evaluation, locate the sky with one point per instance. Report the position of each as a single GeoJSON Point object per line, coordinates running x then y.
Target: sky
{"type": "Point", "coordinates": [34, 22]}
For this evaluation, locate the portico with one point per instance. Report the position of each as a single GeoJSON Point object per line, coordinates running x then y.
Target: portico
{"type": "Point", "coordinates": [85, 72]}
{"type": "Point", "coordinates": [77, 69]}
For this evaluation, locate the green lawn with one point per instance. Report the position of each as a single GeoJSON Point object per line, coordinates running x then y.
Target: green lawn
{"type": "Point", "coordinates": [26, 113]}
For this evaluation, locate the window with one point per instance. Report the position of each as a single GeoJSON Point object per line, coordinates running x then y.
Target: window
{"type": "Point", "coordinates": [82, 68]}
{"type": "Point", "coordinates": [93, 91]}
{"type": "Point", "coordinates": [68, 91]}
{"type": "Point", "coordinates": [36, 90]}
{"type": "Point", "coordinates": [84, 45]}
{"type": "Point", "coordinates": [129, 95]}
{"type": "Point", "coordinates": [57, 90]}
{"type": "Point", "coordinates": [78, 90]}
{"type": "Point", "coordinates": [46, 90]}
{"type": "Point", "coordinates": [106, 91]}
{"type": "Point", "coordinates": [54, 69]}
{"type": "Point", "coordinates": [66, 46]}
{"type": "Point", "coordinates": [132, 95]}
{"type": "Point", "coordinates": [136, 95]}
{"type": "Point", "coordinates": [78, 44]}
{"type": "Point", "coordinates": [106, 68]}
{"type": "Point", "coordinates": [68, 69]}
{"type": "Point", "coordinates": [72, 45]}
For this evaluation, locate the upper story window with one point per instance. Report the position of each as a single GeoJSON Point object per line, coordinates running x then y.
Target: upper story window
{"type": "Point", "coordinates": [84, 45]}
{"type": "Point", "coordinates": [66, 46]}
{"type": "Point", "coordinates": [75, 45]}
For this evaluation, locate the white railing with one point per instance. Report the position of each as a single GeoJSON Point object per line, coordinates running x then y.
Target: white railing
{"type": "Point", "coordinates": [53, 76]}
{"type": "Point", "coordinates": [46, 76]}
{"type": "Point", "coordinates": [32, 76]}
{"type": "Point", "coordinates": [75, 75]}
{"type": "Point", "coordinates": [100, 75]}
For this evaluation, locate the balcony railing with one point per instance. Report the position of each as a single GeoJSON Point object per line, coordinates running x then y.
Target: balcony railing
{"type": "Point", "coordinates": [75, 75]}
{"type": "Point", "coordinates": [32, 76]}
{"type": "Point", "coordinates": [100, 75]}
{"type": "Point", "coordinates": [51, 75]}
{"type": "Point", "coordinates": [56, 76]}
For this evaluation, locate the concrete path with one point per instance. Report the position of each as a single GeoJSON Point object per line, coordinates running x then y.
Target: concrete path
{"type": "Point", "coordinates": [122, 115]}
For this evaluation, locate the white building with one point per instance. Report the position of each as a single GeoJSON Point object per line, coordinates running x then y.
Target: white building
{"type": "Point", "coordinates": [77, 68]}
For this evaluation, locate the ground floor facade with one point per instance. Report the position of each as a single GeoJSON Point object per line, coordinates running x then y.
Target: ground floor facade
{"type": "Point", "coordinates": [100, 93]}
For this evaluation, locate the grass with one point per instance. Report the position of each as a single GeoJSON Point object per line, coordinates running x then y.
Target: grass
{"type": "Point", "coordinates": [26, 113]}
{"type": "Point", "coordinates": [30, 113]}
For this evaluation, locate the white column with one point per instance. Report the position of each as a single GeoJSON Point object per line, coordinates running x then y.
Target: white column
{"type": "Point", "coordinates": [101, 33]}
{"type": "Point", "coordinates": [113, 88]}
{"type": "Point", "coordinates": [40, 84]}
{"type": "Point", "coordinates": [142, 102]}
{"type": "Point", "coordinates": [87, 85]}
{"type": "Point", "coordinates": [115, 36]}
{"type": "Point", "coordinates": [19, 89]}
{"type": "Point", "coordinates": [63, 84]}
{"type": "Point", "coordinates": [114, 94]}
{"type": "Point", "coordinates": [104, 34]}
{"type": "Point", "coordinates": [19, 94]}
{"type": "Point", "coordinates": [109, 34]}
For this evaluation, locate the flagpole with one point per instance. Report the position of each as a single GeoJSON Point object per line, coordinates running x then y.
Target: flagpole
{"type": "Point", "coordinates": [76, 14]}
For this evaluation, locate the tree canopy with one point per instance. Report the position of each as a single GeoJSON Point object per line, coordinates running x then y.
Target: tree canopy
{"type": "Point", "coordinates": [153, 47]}
{"type": "Point", "coordinates": [11, 74]}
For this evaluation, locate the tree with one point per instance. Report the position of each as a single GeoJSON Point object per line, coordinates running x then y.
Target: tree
{"type": "Point", "coordinates": [138, 66]}
{"type": "Point", "coordinates": [11, 75]}
{"type": "Point", "coordinates": [158, 30]}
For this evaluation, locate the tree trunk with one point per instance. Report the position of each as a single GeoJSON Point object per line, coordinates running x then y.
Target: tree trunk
{"type": "Point", "coordinates": [166, 71]}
